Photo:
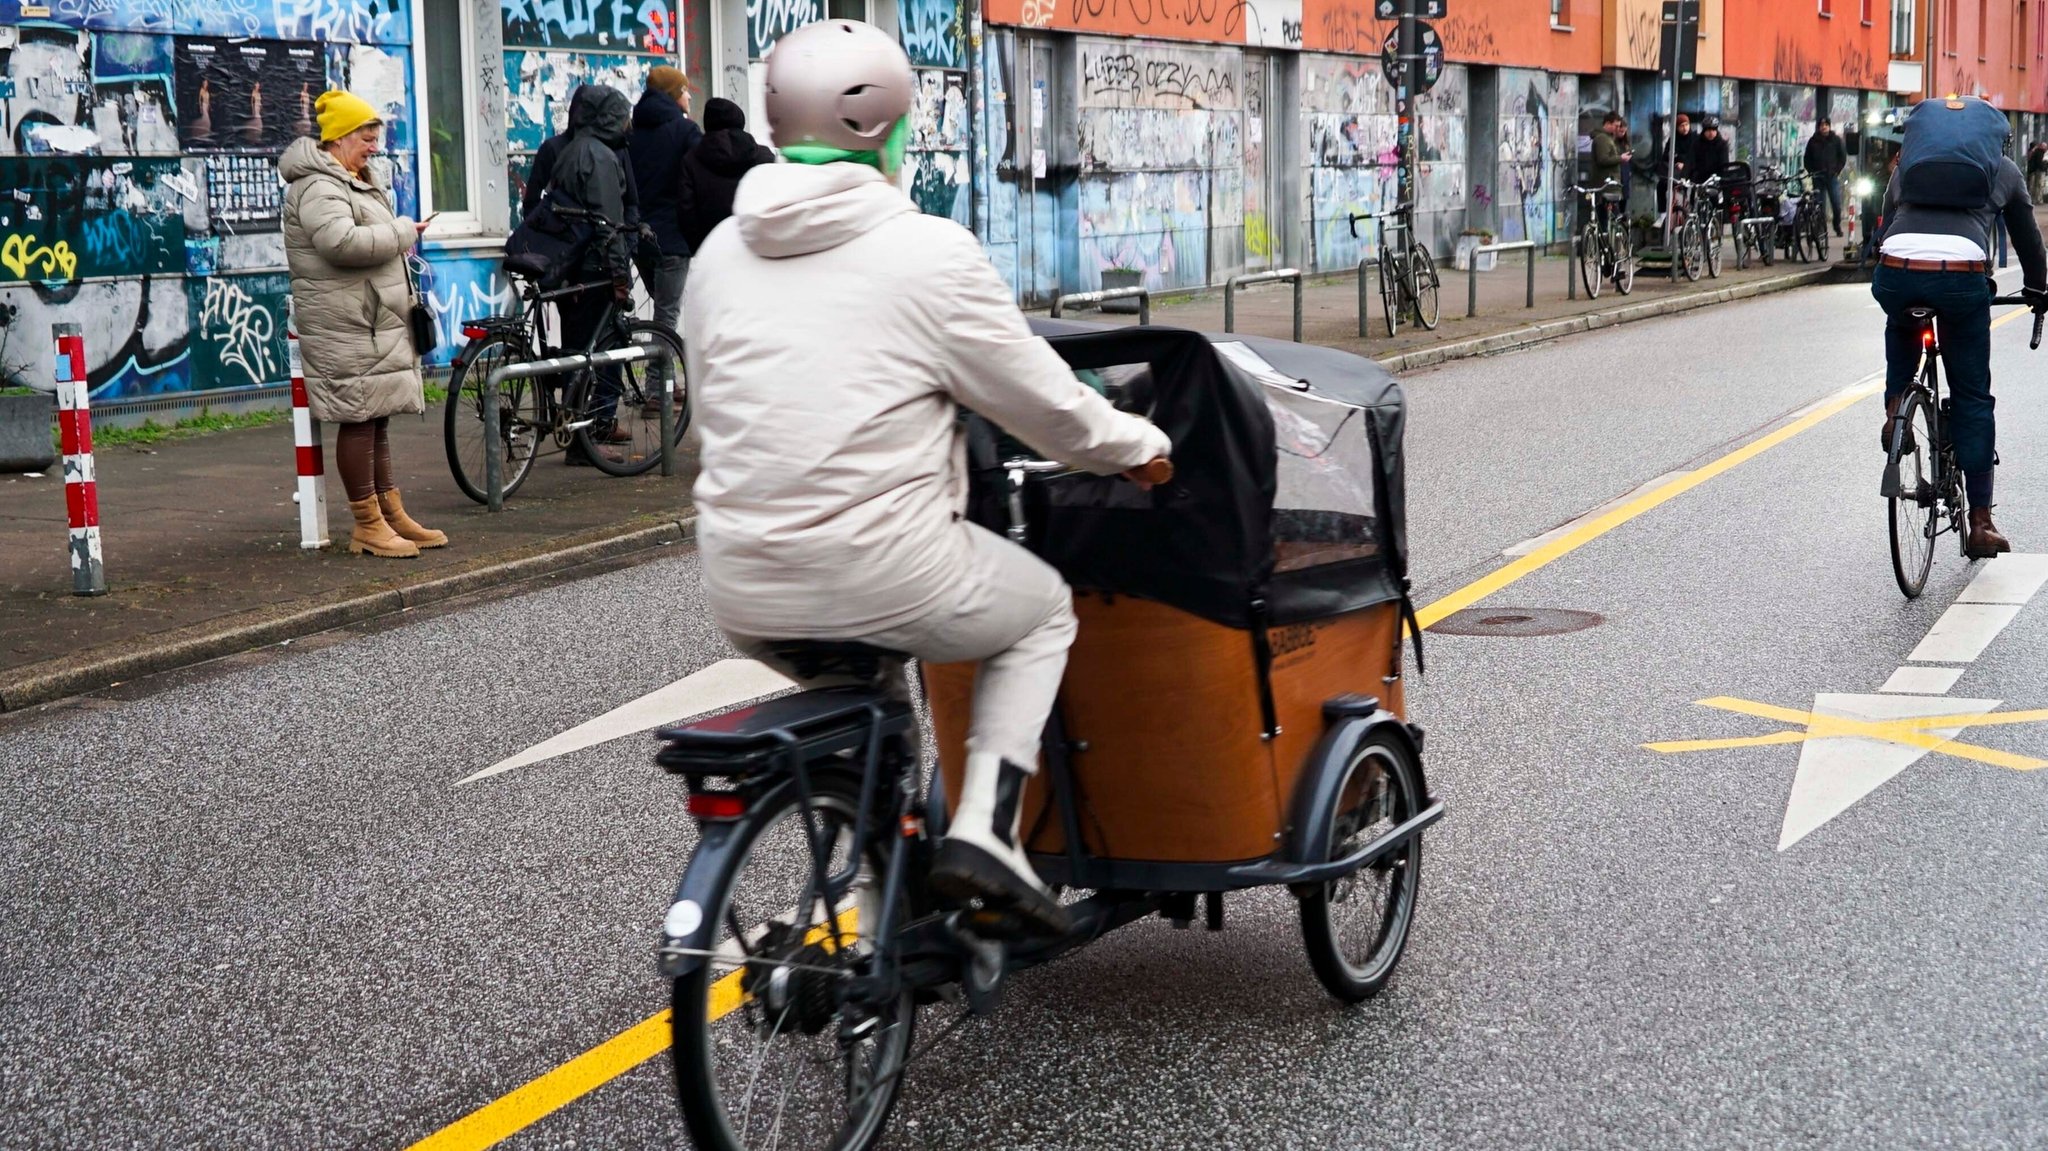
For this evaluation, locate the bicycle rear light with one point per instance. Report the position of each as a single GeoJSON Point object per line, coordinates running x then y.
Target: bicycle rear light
{"type": "Point", "coordinates": [717, 805]}
{"type": "Point", "coordinates": [472, 332]}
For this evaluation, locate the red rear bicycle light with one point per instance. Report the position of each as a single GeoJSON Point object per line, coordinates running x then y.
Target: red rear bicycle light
{"type": "Point", "coordinates": [472, 332]}
{"type": "Point", "coordinates": [717, 805]}
{"type": "Point", "coordinates": [1927, 337]}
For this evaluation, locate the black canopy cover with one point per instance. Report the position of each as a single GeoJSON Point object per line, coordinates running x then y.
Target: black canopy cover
{"type": "Point", "coordinates": [1287, 500]}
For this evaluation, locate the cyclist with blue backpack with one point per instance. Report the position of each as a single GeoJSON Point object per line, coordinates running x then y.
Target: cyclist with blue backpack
{"type": "Point", "coordinates": [1953, 184]}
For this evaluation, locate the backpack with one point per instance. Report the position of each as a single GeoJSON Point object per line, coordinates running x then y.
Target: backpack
{"type": "Point", "coordinates": [550, 244]}
{"type": "Point", "coordinates": [1951, 154]}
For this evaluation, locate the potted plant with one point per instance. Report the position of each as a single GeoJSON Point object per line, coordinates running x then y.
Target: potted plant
{"type": "Point", "coordinates": [1122, 277]}
{"type": "Point", "coordinates": [26, 417]}
{"type": "Point", "coordinates": [1469, 241]}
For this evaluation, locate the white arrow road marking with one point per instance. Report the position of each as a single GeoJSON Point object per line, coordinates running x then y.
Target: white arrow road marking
{"type": "Point", "coordinates": [723, 684]}
{"type": "Point", "coordinates": [1835, 771]}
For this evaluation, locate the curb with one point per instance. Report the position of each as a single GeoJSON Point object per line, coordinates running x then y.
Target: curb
{"type": "Point", "coordinates": [1570, 325]}
{"type": "Point", "coordinates": [109, 664]}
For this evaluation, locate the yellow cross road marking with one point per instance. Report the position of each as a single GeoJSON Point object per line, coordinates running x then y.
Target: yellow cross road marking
{"type": "Point", "coordinates": [1910, 732]}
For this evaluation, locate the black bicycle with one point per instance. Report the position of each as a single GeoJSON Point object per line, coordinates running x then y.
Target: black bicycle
{"type": "Point", "coordinates": [1605, 250]}
{"type": "Point", "coordinates": [1408, 275]}
{"type": "Point", "coordinates": [1807, 238]}
{"type": "Point", "coordinates": [610, 414]}
{"type": "Point", "coordinates": [1923, 486]}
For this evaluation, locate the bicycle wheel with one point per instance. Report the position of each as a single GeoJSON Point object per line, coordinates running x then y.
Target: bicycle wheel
{"type": "Point", "coordinates": [1767, 243]}
{"type": "Point", "coordinates": [1355, 928]}
{"type": "Point", "coordinates": [1624, 260]}
{"type": "Point", "coordinates": [1691, 256]}
{"type": "Point", "coordinates": [1712, 230]}
{"type": "Point", "coordinates": [624, 438]}
{"type": "Point", "coordinates": [1390, 295]}
{"type": "Point", "coordinates": [1422, 287]}
{"type": "Point", "coordinates": [767, 1052]}
{"type": "Point", "coordinates": [519, 419]}
{"type": "Point", "coordinates": [1745, 243]}
{"type": "Point", "coordinates": [1590, 274]}
{"type": "Point", "coordinates": [1913, 498]}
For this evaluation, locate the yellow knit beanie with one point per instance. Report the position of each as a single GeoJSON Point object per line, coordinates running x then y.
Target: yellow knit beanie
{"type": "Point", "coordinates": [341, 112]}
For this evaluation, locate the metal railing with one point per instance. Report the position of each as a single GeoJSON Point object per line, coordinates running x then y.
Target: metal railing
{"type": "Point", "coordinates": [494, 463]}
{"type": "Point", "coordinates": [1275, 276]}
{"type": "Point", "coordinates": [1097, 299]}
{"type": "Point", "coordinates": [1472, 273]}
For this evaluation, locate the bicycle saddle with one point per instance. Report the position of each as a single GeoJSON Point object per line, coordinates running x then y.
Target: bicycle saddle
{"type": "Point", "coordinates": [817, 658]}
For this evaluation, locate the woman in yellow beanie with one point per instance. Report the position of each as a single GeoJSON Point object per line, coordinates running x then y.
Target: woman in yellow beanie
{"type": "Point", "coordinates": [352, 300]}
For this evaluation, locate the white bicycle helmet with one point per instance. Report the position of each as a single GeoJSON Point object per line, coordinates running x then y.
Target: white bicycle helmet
{"type": "Point", "coordinates": [837, 84]}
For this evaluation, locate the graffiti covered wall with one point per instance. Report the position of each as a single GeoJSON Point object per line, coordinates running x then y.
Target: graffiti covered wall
{"type": "Point", "coordinates": [1537, 156]}
{"type": "Point", "coordinates": [1785, 120]}
{"type": "Point", "coordinates": [139, 155]}
{"type": "Point", "coordinates": [1351, 134]}
{"type": "Point", "coordinates": [1161, 162]}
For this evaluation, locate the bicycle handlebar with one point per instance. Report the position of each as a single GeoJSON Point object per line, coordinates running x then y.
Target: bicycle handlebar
{"type": "Point", "coordinates": [1352, 218]}
{"type": "Point", "coordinates": [2040, 318]}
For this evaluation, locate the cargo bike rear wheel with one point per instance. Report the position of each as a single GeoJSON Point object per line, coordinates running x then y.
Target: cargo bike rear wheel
{"type": "Point", "coordinates": [1355, 926]}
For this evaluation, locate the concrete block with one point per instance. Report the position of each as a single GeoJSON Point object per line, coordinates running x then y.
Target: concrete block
{"type": "Point", "coordinates": [25, 440]}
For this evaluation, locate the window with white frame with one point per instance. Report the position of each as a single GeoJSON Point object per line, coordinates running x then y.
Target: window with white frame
{"type": "Point", "coordinates": [442, 68]}
{"type": "Point", "coordinates": [1827, 7]}
{"type": "Point", "coordinates": [1902, 27]}
{"type": "Point", "coordinates": [1560, 13]}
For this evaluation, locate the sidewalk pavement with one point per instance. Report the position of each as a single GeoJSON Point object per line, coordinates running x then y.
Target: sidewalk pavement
{"type": "Point", "coordinates": [201, 535]}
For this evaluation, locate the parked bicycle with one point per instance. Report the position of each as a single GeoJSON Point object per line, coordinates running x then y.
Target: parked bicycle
{"type": "Point", "coordinates": [1605, 250]}
{"type": "Point", "coordinates": [1697, 236]}
{"type": "Point", "coordinates": [613, 413]}
{"type": "Point", "coordinates": [1408, 275]}
{"type": "Point", "coordinates": [1751, 204]}
{"type": "Point", "coordinates": [1802, 231]}
{"type": "Point", "coordinates": [1923, 485]}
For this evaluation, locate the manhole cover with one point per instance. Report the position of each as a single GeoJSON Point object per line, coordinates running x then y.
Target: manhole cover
{"type": "Point", "coordinates": [1515, 622]}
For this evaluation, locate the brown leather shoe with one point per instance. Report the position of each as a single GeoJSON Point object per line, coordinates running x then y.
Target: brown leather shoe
{"type": "Point", "coordinates": [1985, 540]}
{"type": "Point", "coordinates": [1891, 412]}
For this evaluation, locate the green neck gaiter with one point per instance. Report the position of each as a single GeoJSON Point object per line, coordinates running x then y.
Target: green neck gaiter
{"type": "Point", "coordinates": [888, 161]}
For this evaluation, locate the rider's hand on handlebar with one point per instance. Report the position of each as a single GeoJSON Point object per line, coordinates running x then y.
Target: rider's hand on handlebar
{"type": "Point", "coordinates": [622, 291]}
{"type": "Point", "coordinates": [2037, 299]}
{"type": "Point", "coordinates": [1147, 476]}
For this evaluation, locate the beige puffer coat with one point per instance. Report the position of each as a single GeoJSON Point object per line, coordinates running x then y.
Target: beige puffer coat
{"type": "Point", "coordinates": [346, 249]}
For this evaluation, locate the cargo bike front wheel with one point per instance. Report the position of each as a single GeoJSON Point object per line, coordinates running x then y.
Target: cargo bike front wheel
{"type": "Point", "coordinates": [1355, 926]}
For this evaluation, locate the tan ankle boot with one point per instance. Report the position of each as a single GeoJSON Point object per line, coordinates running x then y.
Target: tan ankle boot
{"type": "Point", "coordinates": [374, 536]}
{"type": "Point", "coordinates": [405, 525]}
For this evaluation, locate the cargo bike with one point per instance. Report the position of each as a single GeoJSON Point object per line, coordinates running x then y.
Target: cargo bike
{"type": "Point", "coordinates": [1231, 718]}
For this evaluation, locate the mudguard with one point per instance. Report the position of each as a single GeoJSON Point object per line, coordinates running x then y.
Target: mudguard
{"type": "Point", "coordinates": [688, 924]}
{"type": "Point", "coordinates": [1316, 792]}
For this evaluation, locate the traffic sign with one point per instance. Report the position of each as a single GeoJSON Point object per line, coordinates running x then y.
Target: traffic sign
{"type": "Point", "coordinates": [1426, 9]}
{"type": "Point", "coordinates": [1432, 56]}
{"type": "Point", "coordinates": [1677, 53]}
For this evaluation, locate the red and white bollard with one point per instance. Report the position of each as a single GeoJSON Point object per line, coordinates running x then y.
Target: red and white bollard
{"type": "Point", "coordinates": [81, 483]}
{"type": "Point", "coordinates": [312, 494]}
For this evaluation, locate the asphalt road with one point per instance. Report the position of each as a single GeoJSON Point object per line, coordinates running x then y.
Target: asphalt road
{"type": "Point", "coordinates": [252, 907]}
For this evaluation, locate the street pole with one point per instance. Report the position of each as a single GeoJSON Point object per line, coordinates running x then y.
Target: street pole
{"type": "Point", "coordinates": [1409, 52]}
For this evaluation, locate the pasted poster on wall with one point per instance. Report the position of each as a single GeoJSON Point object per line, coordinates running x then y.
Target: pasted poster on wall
{"type": "Point", "coordinates": [68, 218]}
{"type": "Point", "coordinates": [70, 92]}
{"type": "Point", "coordinates": [1535, 167]}
{"type": "Point", "coordinates": [246, 95]}
{"type": "Point", "coordinates": [538, 86]}
{"type": "Point", "coordinates": [594, 25]}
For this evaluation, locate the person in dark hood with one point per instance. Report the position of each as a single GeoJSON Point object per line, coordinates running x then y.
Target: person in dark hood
{"type": "Point", "coordinates": [663, 136]}
{"type": "Point", "coordinates": [590, 174]}
{"type": "Point", "coordinates": [711, 172]}
{"type": "Point", "coordinates": [540, 174]}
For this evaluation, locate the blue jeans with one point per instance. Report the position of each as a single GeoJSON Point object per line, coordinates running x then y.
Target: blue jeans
{"type": "Point", "coordinates": [662, 275]}
{"type": "Point", "coordinates": [1962, 310]}
{"type": "Point", "coordinates": [1831, 187]}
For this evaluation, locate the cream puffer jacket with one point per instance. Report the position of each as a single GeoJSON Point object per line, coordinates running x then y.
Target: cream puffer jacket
{"type": "Point", "coordinates": [346, 250]}
{"type": "Point", "coordinates": [833, 330]}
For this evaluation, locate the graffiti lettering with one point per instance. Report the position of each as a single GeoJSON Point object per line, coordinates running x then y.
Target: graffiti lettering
{"type": "Point", "coordinates": [615, 24]}
{"type": "Point", "coordinates": [357, 21]}
{"type": "Point", "coordinates": [1039, 13]}
{"type": "Point", "coordinates": [931, 33]}
{"type": "Point", "coordinates": [115, 237]}
{"type": "Point", "coordinates": [1855, 65]}
{"type": "Point", "coordinates": [1644, 34]}
{"type": "Point", "coordinates": [1348, 28]}
{"type": "Point", "coordinates": [1789, 62]}
{"type": "Point", "coordinates": [1159, 80]}
{"type": "Point", "coordinates": [240, 328]}
{"type": "Point", "coordinates": [1468, 37]}
{"type": "Point", "coordinates": [770, 20]}
{"type": "Point", "coordinates": [21, 253]}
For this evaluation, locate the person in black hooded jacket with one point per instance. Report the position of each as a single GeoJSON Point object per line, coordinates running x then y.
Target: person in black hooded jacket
{"type": "Point", "coordinates": [591, 173]}
{"type": "Point", "coordinates": [711, 171]}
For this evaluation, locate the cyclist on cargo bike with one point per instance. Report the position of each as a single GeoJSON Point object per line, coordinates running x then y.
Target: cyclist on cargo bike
{"type": "Point", "coordinates": [1156, 684]}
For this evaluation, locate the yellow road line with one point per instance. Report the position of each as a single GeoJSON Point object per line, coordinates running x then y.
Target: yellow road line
{"type": "Point", "coordinates": [1911, 732]}
{"type": "Point", "coordinates": [492, 1123]}
{"type": "Point", "coordinates": [1587, 532]}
